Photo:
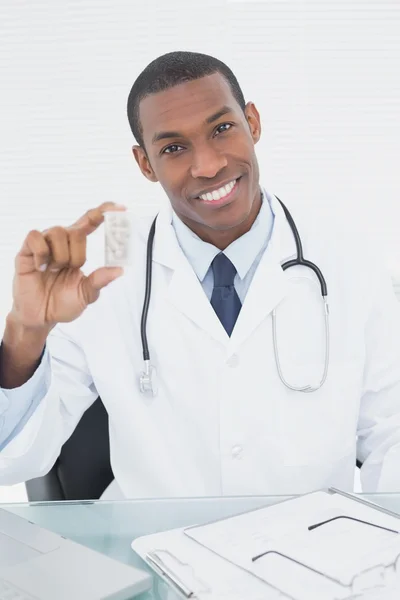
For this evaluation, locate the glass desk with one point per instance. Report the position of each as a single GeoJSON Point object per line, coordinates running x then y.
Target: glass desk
{"type": "Point", "coordinates": [110, 527]}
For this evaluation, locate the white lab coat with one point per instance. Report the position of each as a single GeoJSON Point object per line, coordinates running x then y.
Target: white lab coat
{"type": "Point", "coordinates": [222, 422]}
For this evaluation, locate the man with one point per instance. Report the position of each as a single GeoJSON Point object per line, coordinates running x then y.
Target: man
{"type": "Point", "coordinates": [222, 422]}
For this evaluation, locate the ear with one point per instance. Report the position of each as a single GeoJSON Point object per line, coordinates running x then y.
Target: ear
{"type": "Point", "coordinates": [144, 164]}
{"type": "Point", "coordinates": [253, 120]}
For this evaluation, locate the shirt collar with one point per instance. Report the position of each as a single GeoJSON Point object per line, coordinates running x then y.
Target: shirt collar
{"type": "Point", "coordinates": [242, 252]}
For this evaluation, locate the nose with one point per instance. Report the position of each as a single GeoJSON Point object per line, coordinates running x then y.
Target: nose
{"type": "Point", "coordinates": [207, 162]}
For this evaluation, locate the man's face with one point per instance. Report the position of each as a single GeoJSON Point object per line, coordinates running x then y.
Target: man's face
{"type": "Point", "coordinates": [198, 141]}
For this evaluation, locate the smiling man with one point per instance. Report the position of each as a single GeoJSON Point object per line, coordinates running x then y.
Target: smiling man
{"type": "Point", "coordinates": [242, 404]}
{"type": "Point", "coordinates": [197, 139]}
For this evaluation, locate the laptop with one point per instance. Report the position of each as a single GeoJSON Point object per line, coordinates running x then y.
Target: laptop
{"type": "Point", "coordinates": [37, 564]}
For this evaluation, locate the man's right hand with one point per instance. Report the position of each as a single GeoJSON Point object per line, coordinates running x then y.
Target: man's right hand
{"type": "Point", "coordinates": [49, 286]}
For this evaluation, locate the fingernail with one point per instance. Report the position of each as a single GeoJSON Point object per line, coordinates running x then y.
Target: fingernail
{"type": "Point", "coordinates": [43, 267]}
{"type": "Point", "coordinates": [119, 206]}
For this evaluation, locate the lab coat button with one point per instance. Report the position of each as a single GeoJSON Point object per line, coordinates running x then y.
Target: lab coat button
{"type": "Point", "coordinates": [237, 451]}
{"type": "Point", "coordinates": [233, 361]}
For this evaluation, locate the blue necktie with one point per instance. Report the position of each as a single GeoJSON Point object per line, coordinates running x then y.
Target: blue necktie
{"type": "Point", "coordinates": [224, 299]}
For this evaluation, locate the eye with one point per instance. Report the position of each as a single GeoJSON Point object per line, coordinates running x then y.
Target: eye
{"type": "Point", "coordinates": [172, 149]}
{"type": "Point", "coordinates": [223, 127]}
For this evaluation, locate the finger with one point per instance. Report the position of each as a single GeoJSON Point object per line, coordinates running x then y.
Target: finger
{"type": "Point", "coordinates": [77, 248]}
{"type": "Point", "coordinates": [94, 217]}
{"type": "Point", "coordinates": [57, 239]}
{"type": "Point", "coordinates": [97, 280]}
{"type": "Point", "coordinates": [36, 248]}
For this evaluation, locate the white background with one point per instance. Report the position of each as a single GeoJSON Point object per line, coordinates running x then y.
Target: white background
{"type": "Point", "coordinates": [323, 74]}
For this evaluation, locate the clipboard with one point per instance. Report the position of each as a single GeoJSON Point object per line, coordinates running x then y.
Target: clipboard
{"type": "Point", "coordinates": [208, 576]}
{"type": "Point", "coordinates": [201, 582]}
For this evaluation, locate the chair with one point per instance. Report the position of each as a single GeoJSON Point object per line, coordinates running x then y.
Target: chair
{"type": "Point", "coordinates": [83, 470]}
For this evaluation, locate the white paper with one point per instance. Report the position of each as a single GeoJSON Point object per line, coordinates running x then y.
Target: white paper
{"type": "Point", "coordinates": [340, 549]}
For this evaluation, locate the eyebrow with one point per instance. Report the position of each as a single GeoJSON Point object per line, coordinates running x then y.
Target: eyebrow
{"type": "Point", "coordinates": [163, 135]}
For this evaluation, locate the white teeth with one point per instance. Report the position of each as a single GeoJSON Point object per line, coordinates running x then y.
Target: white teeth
{"type": "Point", "coordinates": [220, 193]}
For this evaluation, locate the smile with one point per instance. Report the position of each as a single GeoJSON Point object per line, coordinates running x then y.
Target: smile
{"type": "Point", "coordinates": [220, 193]}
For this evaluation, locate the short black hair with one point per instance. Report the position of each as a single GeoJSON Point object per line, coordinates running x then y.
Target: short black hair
{"type": "Point", "coordinates": [169, 70]}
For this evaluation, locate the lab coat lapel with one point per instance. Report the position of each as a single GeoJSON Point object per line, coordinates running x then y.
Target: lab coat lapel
{"type": "Point", "coordinates": [269, 285]}
{"type": "Point", "coordinates": [185, 291]}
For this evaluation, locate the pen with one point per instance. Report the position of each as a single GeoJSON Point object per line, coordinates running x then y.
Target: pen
{"type": "Point", "coordinates": [159, 566]}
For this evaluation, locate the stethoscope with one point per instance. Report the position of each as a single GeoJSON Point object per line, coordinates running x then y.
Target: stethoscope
{"type": "Point", "coordinates": [148, 377]}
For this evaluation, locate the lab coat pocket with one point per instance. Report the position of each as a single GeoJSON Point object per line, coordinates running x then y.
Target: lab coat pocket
{"type": "Point", "coordinates": [320, 427]}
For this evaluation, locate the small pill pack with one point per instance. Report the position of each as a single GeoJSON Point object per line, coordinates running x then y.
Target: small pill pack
{"type": "Point", "coordinates": [118, 238]}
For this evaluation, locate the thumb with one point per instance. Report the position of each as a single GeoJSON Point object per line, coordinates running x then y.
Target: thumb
{"type": "Point", "coordinates": [98, 280]}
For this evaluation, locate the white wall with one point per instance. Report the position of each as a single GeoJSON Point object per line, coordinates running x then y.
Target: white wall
{"type": "Point", "coordinates": [324, 76]}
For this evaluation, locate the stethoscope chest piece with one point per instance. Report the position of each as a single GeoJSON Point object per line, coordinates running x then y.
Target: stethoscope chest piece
{"type": "Point", "coordinates": [148, 380]}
